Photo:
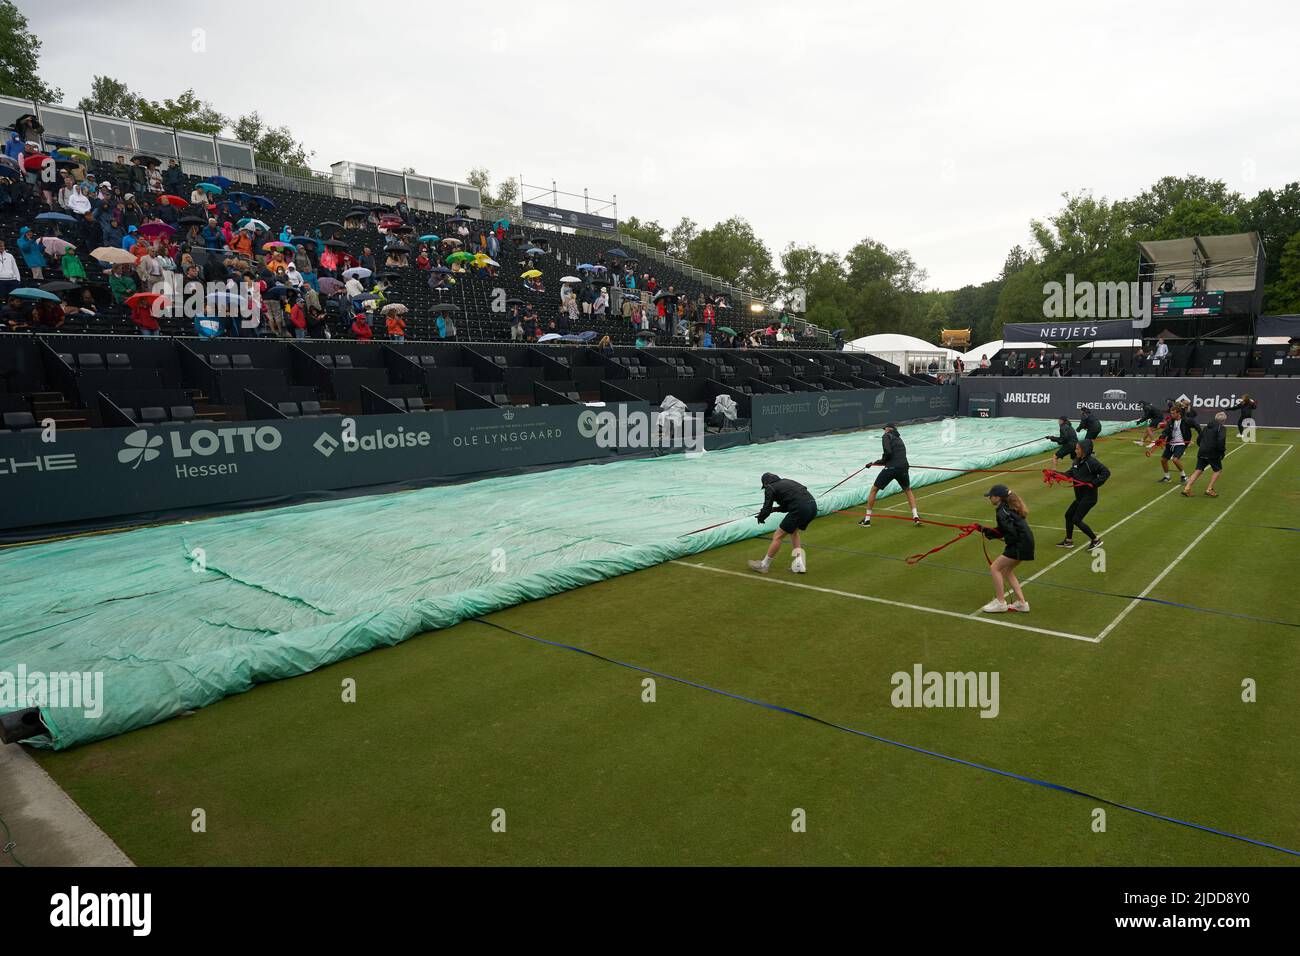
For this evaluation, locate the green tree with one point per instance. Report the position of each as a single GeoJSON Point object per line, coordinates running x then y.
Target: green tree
{"type": "Point", "coordinates": [186, 111]}
{"type": "Point", "coordinates": [651, 233]}
{"type": "Point", "coordinates": [481, 179]}
{"type": "Point", "coordinates": [110, 97]}
{"type": "Point", "coordinates": [20, 49]}
{"type": "Point", "coordinates": [1090, 238]}
{"type": "Point", "coordinates": [681, 237]}
{"type": "Point", "coordinates": [1282, 296]}
{"type": "Point", "coordinates": [731, 251]}
{"type": "Point", "coordinates": [272, 144]}
{"type": "Point", "coordinates": [1275, 215]}
{"type": "Point", "coordinates": [1153, 207]}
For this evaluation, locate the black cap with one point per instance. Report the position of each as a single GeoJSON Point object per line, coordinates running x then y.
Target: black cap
{"type": "Point", "coordinates": [1062, 418]}
{"type": "Point", "coordinates": [1000, 490]}
{"type": "Point", "coordinates": [768, 478]}
{"type": "Point", "coordinates": [893, 425]}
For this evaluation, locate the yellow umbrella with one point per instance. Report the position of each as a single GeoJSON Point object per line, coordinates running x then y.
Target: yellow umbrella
{"type": "Point", "coordinates": [531, 274]}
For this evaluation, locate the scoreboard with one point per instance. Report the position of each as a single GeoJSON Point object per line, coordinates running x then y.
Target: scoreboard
{"type": "Point", "coordinates": [1176, 304]}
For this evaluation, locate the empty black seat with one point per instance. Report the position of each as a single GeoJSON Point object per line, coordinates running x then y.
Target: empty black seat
{"type": "Point", "coordinates": [343, 361]}
{"type": "Point", "coordinates": [90, 361]}
{"type": "Point", "coordinates": [288, 409]}
{"type": "Point", "coordinates": [152, 415]}
{"type": "Point", "coordinates": [326, 360]}
{"type": "Point", "coordinates": [415, 404]}
{"type": "Point", "coordinates": [20, 421]}
{"type": "Point", "coordinates": [310, 409]}
{"type": "Point", "coordinates": [182, 413]}
{"type": "Point", "coordinates": [119, 360]}
{"type": "Point", "coordinates": [241, 361]}
{"type": "Point", "coordinates": [428, 361]}
{"type": "Point", "coordinates": [219, 360]}
{"type": "Point", "coordinates": [500, 399]}
{"type": "Point", "coordinates": [67, 359]}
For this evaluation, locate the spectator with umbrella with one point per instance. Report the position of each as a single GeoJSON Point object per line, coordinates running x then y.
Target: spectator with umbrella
{"type": "Point", "coordinates": [32, 252]}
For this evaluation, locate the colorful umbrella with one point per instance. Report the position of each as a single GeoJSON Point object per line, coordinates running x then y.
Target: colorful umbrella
{"type": "Point", "coordinates": [458, 257]}
{"type": "Point", "coordinates": [74, 152]}
{"type": "Point", "coordinates": [170, 200]}
{"type": "Point", "coordinates": [430, 238]}
{"type": "Point", "coordinates": [211, 188]}
{"type": "Point", "coordinates": [155, 230]}
{"type": "Point", "coordinates": [35, 161]}
{"type": "Point", "coordinates": [330, 285]}
{"type": "Point", "coordinates": [254, 223]}
{"type": "Point", "coordinates": [41, 294]}
{"type": "Point", "coordinates": [357, 273]}
{"type": "Point", "coordinates": [115, 255]}
{"type": "Point", "coordinates": [142, 298]}
{"type": "Point", "coordinates": [221, 182]}
{"type": "Point", "coordinates": [531, 274]}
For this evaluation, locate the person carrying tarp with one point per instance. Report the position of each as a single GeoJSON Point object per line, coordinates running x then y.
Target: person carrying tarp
{"type": "Point", "coordinates": [786, 494]}
{"type": "Point", "coordinates": [893, 467]}
{"type": "Point", "coordinates": [1089, 474]}
{"type": "Point", "coordinates": [1066, 441]}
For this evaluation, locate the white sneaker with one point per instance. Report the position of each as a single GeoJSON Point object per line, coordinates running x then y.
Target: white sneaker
{"type": "Point", "coordinates": [758, 566]}
{"type": "Point", "coordinates": [1021, 606]}
{"type": "Point", "coordinates": [996, 607]}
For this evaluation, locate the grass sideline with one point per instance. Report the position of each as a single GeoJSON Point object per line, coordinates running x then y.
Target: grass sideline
{"type": "Point", "coordinates": [454, 724]}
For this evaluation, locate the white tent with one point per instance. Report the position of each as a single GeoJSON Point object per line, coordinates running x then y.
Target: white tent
{"type": "Point", "coordinates": [897, 342]}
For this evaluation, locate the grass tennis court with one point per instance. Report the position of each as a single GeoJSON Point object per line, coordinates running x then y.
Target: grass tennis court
{"type": "Point", "coordinates": [1135, 700]}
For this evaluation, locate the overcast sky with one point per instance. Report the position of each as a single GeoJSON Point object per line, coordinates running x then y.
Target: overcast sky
{"type": "Point", "coordinates": [941, 128]}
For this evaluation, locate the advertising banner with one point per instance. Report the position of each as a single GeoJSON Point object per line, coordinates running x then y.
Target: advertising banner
{"type": "Point", "coordinates": [802, 413]}
{"type": "Point", "coordinates": [1120, 399]}
{"type": "Point", "coordinates": [569, 217]}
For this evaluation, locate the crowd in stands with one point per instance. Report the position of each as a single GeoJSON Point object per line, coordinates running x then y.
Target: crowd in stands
{"type": "Point", "coordinates": [138, 237]}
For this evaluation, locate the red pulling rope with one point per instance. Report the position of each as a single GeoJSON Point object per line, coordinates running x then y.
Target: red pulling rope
{"type": "Point", "coordinates": [1050, 475]}
{"type": "Point", "coordinates": [965, 530]}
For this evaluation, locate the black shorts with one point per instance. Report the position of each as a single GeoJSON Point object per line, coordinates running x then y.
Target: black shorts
{"type": "Point", "coordinates": [1174, 451]}
{"type": "Point", "coordinates": [1214, 464]}
{"type": "Point", "coordinates": [899, 475]}
{"type": "Point", "coordinates": [800, 518]}
{"type": "Point", "coordinates": [1024, 551]}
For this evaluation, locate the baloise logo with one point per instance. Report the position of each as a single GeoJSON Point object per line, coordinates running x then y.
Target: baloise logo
{"type": "Point", "coordinates": [140, 447]}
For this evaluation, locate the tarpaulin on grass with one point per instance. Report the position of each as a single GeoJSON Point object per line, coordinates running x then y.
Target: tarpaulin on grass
{"type": "Point", "coordinates": [179, 616]}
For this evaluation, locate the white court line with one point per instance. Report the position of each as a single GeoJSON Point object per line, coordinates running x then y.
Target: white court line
{"type": "Point", "coordinates": [1176, 486]}
{"type": "Point", "coordinates": [944, 491]}
{"type": "Point", "coordinates": [1187, 550]}
{"type": "Point", "coordinates": [997, 622]}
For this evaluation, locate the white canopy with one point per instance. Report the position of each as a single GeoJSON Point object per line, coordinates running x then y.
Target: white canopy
{"type": "Point", "coordinates": [887, 342]}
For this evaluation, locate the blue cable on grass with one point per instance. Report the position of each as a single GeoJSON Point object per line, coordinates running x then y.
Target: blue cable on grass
{"type": "Point", "coordinates": [1047, 784]}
